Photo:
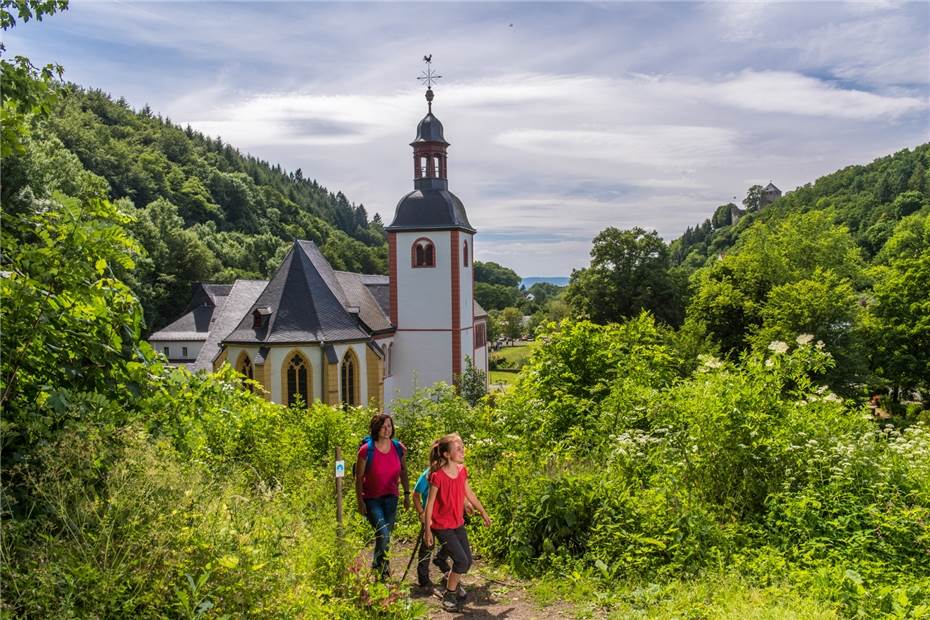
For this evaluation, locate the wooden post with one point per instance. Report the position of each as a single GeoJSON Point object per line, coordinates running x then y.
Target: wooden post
{"type": "Point", "coordinates": [340, 475]}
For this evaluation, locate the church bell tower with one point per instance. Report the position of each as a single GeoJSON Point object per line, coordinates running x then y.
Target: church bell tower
{"type": "Point", "coordinates": [430, 257]}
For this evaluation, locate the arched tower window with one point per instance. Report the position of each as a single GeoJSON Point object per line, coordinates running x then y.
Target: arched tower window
{"type": "Point", "coordinates": [423, 253]}
{"type": "Point", "coordinates": [465, 253]}
{"type": "Point", "coordinates": [245, 367]}
{"type": "Point", "coordinates": [297, 380]}
{"type": "Point", "coordinates": [348, 376]}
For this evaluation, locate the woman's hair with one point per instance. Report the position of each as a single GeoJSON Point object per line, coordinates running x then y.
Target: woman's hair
{"type": "Point", "coordinates": [377, 421]}
{"type": "Point", "coordinates": [437, 460]}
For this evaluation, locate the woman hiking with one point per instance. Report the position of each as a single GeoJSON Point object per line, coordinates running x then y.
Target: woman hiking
{"type": "Point", "coordinates": [445, 513]}
{"type": "Point", "coordinates": [381, 464]}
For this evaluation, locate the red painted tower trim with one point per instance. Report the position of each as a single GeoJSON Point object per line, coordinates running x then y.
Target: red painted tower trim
{"type": "Point", "coordinates": [392, 274]}
{"type": "Point", "coordinates": [456, 308]}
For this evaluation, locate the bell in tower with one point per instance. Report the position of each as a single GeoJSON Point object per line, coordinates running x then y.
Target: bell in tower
{"type": "Point", "coordinates": [429, 151]}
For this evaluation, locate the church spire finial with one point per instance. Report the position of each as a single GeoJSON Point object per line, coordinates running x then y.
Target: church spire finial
{"type": "Point", "coordinates": [429, 77]}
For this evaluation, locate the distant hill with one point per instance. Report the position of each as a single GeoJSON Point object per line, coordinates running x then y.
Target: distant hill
{"type": "Point", "coordinates": [556, 280]}
{"type": "Point", "coordinates": [205, 211]}
{"type": "Point", "coordinates": [868, 199]}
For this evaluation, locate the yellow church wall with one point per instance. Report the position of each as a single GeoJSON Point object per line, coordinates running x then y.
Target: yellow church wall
{"type": "Point", "coordinates": [374, 370]}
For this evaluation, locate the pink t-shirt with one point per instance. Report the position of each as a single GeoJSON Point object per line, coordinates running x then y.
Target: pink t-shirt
{"type": "Point", "coordinates": [383, 474]}
{"type": "Point", "coordinates": [449, 506]}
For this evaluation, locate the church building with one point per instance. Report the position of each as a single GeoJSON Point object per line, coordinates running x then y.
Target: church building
{"type": "Point", "coordinates": [316, 334]}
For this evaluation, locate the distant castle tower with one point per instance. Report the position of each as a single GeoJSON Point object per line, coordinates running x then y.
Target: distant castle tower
{"type": "Point", "coordinates": [770, 194]}
{"type": "Point", "coordinates": [430, 256]}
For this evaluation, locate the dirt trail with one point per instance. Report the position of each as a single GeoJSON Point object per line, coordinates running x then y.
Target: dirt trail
{"type": "Point", "coordinates": [488, 597]}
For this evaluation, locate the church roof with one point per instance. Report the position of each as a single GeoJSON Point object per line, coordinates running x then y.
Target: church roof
{"type": "Point", "coordinates": [306, 302]}
{"type": "Point", "coordinates": [430, 209]}
{"type": "Point", "coordinates": [359, 294]}
{"type": "Point", "coordinates": [194, 324]}
{"type": "Point", "coordinates": [770, 188]}
{"type": "Point", "coordinates": [241, 296]}
{"type": "Point", "coordinates": [477, 310]}
{"type": "Point", "coordinates": [429, 130]}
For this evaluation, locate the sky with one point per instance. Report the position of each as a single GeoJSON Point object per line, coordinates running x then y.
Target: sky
{"type": "Point", "coordinates": [563, 118]}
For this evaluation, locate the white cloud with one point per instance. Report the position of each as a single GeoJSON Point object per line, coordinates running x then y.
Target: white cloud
{"type": "Point", "coordinates": [650, 145]}
{"type": "Point", "coordinates": [792, 93]}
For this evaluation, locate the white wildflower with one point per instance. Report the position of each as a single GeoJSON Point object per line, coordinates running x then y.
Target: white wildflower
{"type": "Point", "coordinates": [778, 346]}
{"type": "Point", "coordinates": [805, 338]}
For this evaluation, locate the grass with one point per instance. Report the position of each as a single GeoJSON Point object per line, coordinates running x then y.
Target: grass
{"type": "Point", "coordinates": [719, 596]}
{"type": "Point", "coordinates": [502, 377]}
{"type": "Point", "coordinates": [514, 355]}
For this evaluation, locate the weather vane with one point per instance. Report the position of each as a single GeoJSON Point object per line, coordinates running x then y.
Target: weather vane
{"type": "Point", "coordinates": [428, 76]}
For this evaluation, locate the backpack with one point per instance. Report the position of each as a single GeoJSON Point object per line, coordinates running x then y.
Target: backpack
{"type": "Point", "coordinates": [371, 448]}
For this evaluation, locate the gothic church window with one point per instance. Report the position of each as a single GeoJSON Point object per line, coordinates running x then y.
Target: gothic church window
{"type": "Point", "coordinates": [245, 367]}
{"type": "Point", "coordinates": [423, 253]}
{"type": "Point", "coordinates": [349, 379]}
{"type": "Point", "coordinates": [465, 253]}
{"type": "Point", "coordinates": [297, 380]}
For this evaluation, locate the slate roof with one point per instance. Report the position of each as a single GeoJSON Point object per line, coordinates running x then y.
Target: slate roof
{"type": "Point", "coordinates": [241, 296]}
{"type": "Point", "coordinates": [194, 324]}
{"type": "Point", "coordinates": [429, 130]}
{"type": "Point", "coordinates": [771, 188]}
{"type": "Point", "coordinates": [477, 310]}
{"type": "Point", "coordinates": [307, 302]}
{"type": "Point", "coordinates": [205, 293]}
{"type": "Point", "coordinates": [429, 209]}
{"type": "Point", "coordinates": [359, 295]}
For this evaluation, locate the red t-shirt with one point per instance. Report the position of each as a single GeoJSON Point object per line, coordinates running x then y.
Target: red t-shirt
{"type": "Point", "coordinates": [384, 472]}
{"type": "Point", "coordinates": [449, 506]}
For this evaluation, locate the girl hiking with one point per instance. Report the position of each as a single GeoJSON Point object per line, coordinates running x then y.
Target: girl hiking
{"type": "Point", "coordinates": [445, 513]}
{"type": "Point", "coordinates": [381, 464]}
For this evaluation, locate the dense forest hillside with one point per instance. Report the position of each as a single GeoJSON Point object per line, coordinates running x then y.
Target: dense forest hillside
{"type": "Point", "coordinates": [868, 199]}
{"type": "Point", "coordinates": [204, 210]}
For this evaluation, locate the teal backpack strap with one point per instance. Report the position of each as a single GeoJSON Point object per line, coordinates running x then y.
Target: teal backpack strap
{"type": "Point", "coordinates": [370, 454]}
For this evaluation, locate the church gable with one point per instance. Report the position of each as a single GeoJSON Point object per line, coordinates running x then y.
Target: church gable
{"type": "Point", "coordinates": [303, 302]}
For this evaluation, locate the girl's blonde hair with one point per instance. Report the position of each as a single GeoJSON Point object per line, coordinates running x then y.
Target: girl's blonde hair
{"type": "Point", "coordinates": [436, 459]}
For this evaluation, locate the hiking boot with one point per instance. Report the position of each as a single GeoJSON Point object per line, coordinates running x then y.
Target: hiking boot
{"type": "Point", "coordinates": [425, 583]}
{"type": "Point", "coordinates": [451, 602]}
{"type": "Point", "coordinates": [461, 595]}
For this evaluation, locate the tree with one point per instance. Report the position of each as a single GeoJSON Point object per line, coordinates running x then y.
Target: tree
{"type": "Point", "coordinates": [723, 216]}
{"type": "Point", "coordinates": [27, 90]}
{"type": "Point", "coordinates": [492, 273]}
{"type": "Point", "coordinates": [512, 323]}
{"type": "Point", "coordinates": [753, 199]}
{"type": "Point", "coordinates": [474, 383]}
{"type": "Point", "coordinates": [731, 294]}
{"type": "Point", "coordinates": [898, 317]}
{"type": "Point", "coordinates": [496, 296]}
{"type": "Point", "coordinates": [824, 307]}
{"type": "Point", "coordinates": [175, 258]}
{"type": "Point", "coordinates": [629, 272]}
{"type": "Point", "coordinates": [541, 293]}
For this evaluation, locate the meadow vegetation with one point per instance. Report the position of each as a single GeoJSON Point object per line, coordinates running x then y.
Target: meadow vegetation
{"type": "Point", "coordinates": [725, 468]}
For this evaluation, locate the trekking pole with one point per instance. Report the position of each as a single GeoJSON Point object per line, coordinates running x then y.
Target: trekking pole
{"type": "Point", "coordinates": [416, 548]}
